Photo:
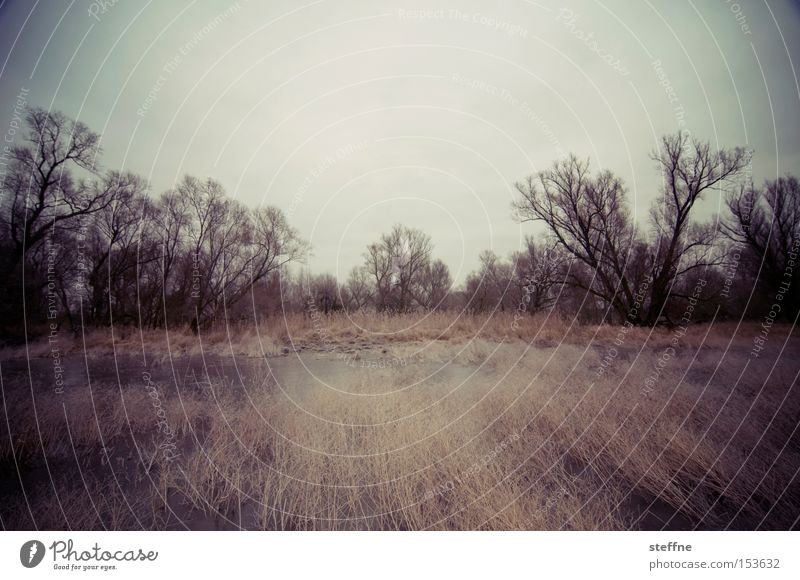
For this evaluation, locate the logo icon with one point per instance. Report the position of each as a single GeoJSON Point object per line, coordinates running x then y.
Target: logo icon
{"type": "Point", "coordinates": [31, 553]}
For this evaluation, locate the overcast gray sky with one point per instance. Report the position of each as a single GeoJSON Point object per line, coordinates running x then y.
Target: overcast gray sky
{"type": "Point", "coordinates": [355, 115]}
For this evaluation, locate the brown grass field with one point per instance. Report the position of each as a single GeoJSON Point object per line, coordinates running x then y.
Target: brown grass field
{"type": "Point", "coordinates": [404, 423]}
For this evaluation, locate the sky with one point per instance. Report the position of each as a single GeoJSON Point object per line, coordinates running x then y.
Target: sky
{"type": "Point", "coordinates": [356, 115]}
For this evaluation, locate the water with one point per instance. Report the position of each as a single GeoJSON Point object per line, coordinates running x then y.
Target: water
{"type": "Point", "coordinates": [299, 374]}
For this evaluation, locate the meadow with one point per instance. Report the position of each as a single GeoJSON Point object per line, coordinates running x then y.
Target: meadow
{"type": "Point", "coordinates": [408, 422]}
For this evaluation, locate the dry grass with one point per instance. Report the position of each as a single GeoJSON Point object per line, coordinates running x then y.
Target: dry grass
{"type": "Point", "coordinates": [537, 439]}
{"type": "Point", "coordinates": [279, 335]}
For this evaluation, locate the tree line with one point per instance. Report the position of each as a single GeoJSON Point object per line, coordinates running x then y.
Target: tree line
{"type": "Point", "coordinates": [745, 259]}
{"type": "Point", "coordinates": [83, 246]}
{"type": "Point", "coordinates": [88, 247]}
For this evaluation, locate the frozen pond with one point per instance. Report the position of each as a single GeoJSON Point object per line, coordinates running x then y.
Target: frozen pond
{"type": "Point", "coordinates": [297, 374]}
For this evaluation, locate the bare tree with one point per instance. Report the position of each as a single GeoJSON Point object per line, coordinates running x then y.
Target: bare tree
{"type": "Point", "coordinates": [41, 189]}
{"type": "Point", "coordinates": [590, 219]}
{"type": "Point", "coordinates": [434, 285]}
{"type": "Point", "coordinates": [357, 292]}
{"type": "Point", "coordinates": [690, 168]}
{"type": "Point", "coordinates": [538, 271]}
{"type": "Point", "coordinates": [52, 274]}
{"type": "Point", "coordinates": [114, 249]}
{"type": "Point", "coordinates": [378, 262]}
{"type": "Point", "coordinates": [476, 294]}
{"type": "Point", "coordinates": [323, 290]}
{"type": "Point", "coordinates": [766, 222]}
{"type": "Point", "coordinates": [396, 264]}
{"type": "Point", "coordinates": [498, 275]}
{"type": "Point", "coordinates": [100, 241]}
{"type": "Point", "coordinates": [492, 286]}
{"type": "Point", "coordinates": [272, 244]}
{"type": "Point", "coordinates": [230, 248]}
